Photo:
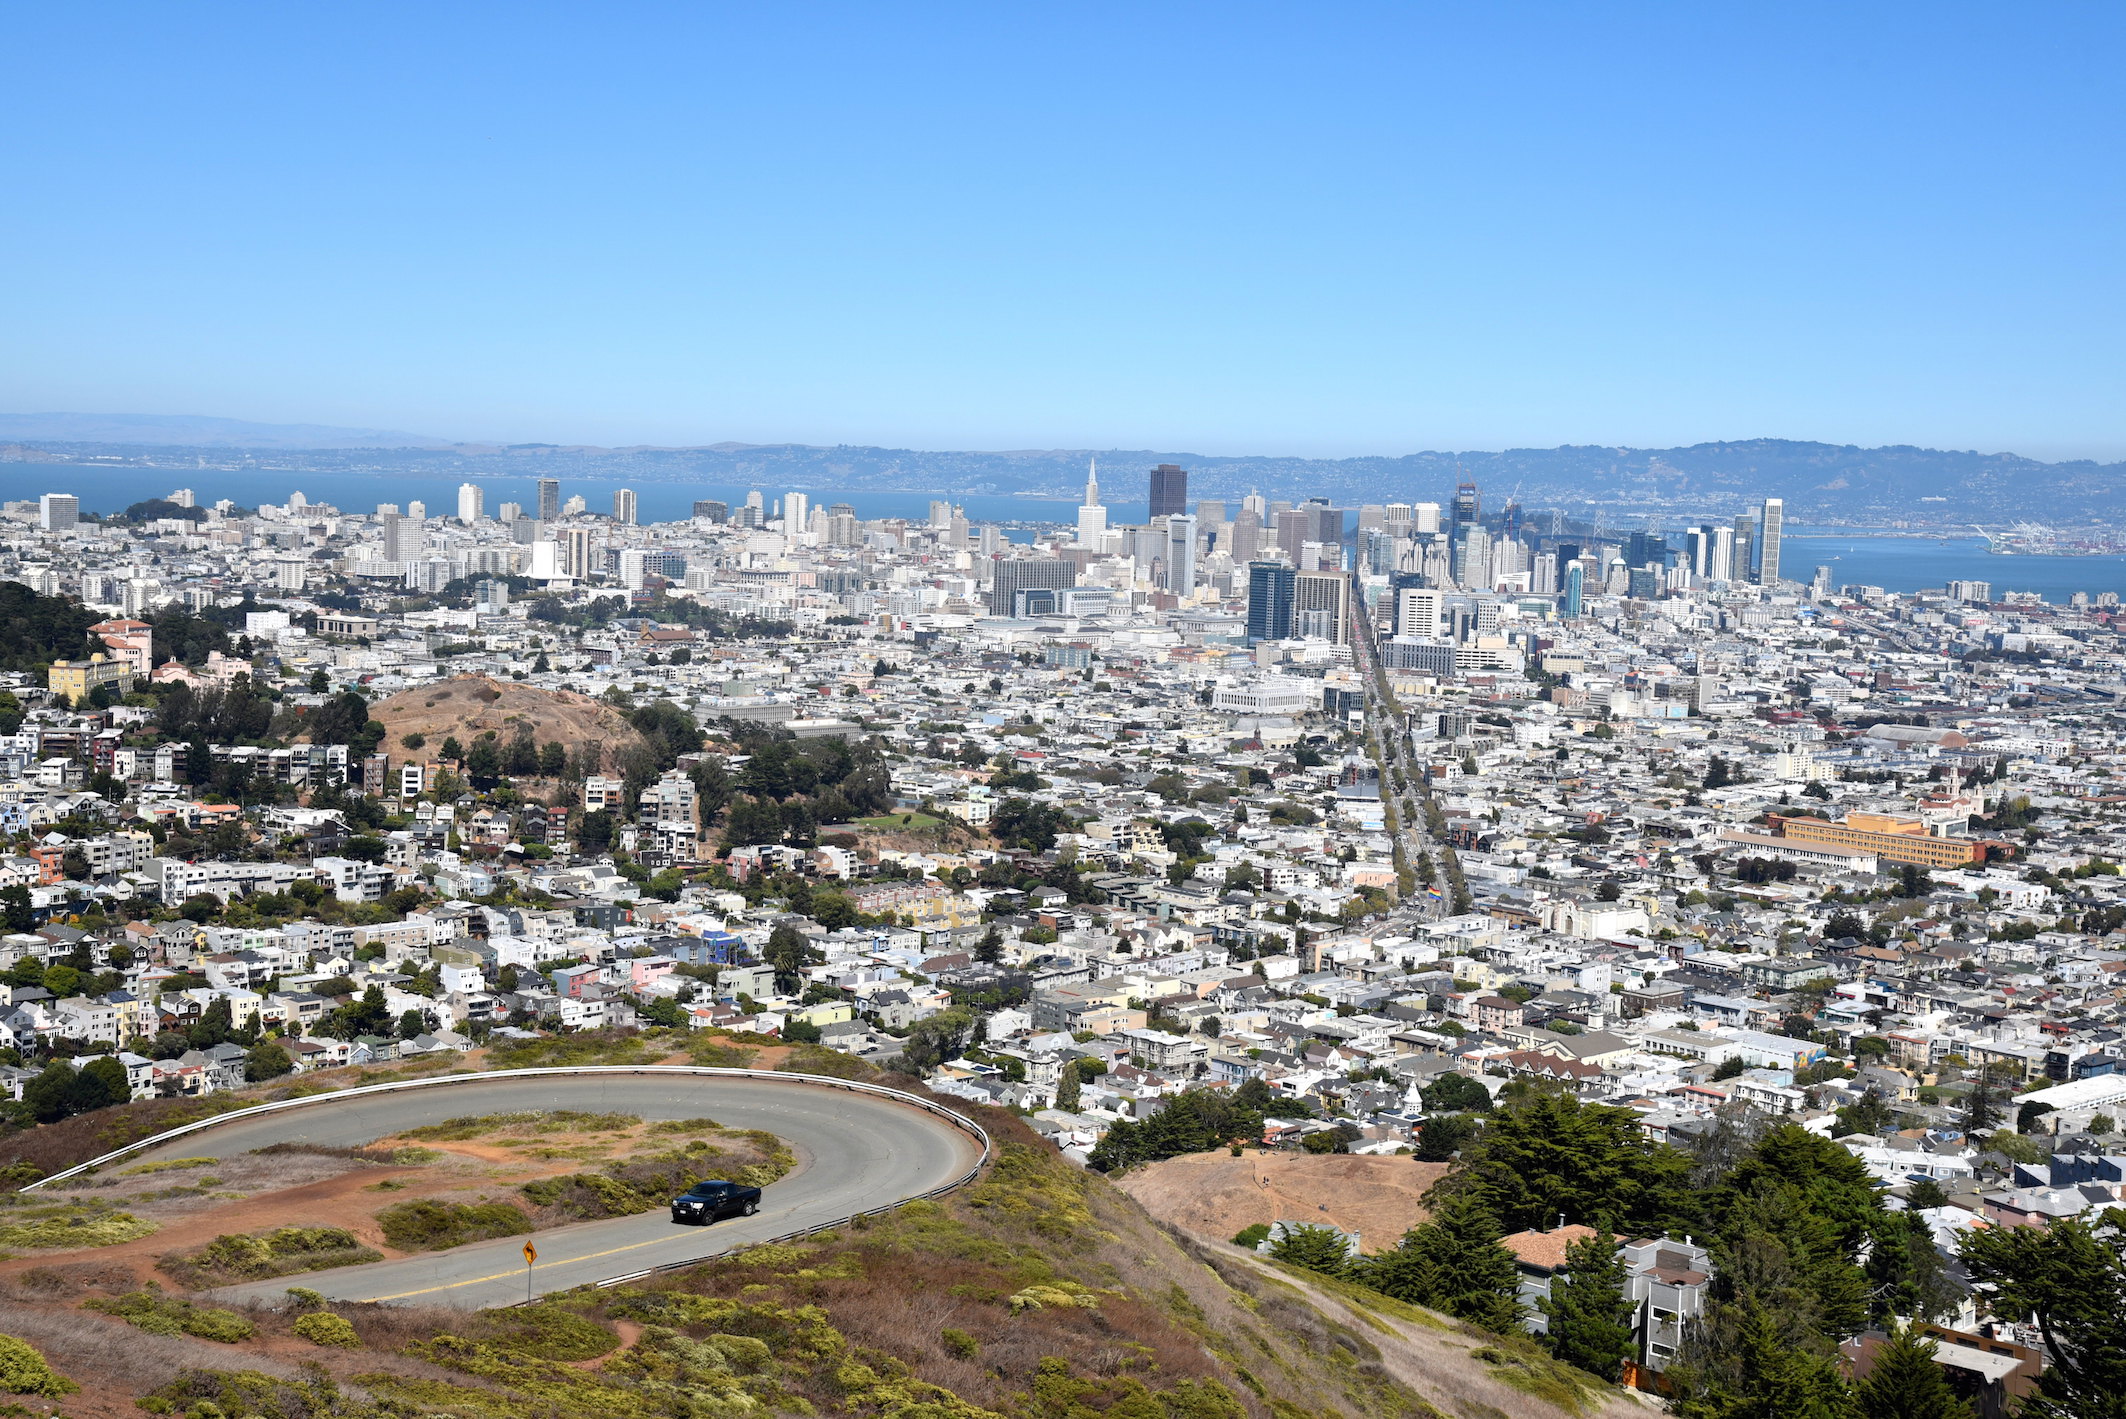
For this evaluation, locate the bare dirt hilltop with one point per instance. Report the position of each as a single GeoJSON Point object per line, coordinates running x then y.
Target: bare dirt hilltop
{"type": "Point", "coordinates": [470, 705]}
{"type": "Point", "coordinates": [1215, 1195]}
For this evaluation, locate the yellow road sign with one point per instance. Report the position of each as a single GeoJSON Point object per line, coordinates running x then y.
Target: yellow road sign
{"type": "Point", "coordinates": [531, 1253]}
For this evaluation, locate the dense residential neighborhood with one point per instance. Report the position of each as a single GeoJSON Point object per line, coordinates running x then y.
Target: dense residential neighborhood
{"type": "Point", "coordinates": [1359, 824]}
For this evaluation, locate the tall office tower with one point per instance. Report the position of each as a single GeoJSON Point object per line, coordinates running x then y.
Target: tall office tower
{"type": "Point", "coordinates": [1720, 562]}
{"type": "Point", "coordinates": [1745, 547]}
{"type": "Point", "coordinates": [940, 513]}
{"type": "Point", "coordinates": [404, 538]}
{"type": "Point", "coordinates": [624, 506]}
{"type": "Point", "coordinates": [1253, 503]}
{"type": "Point", "coordinates": [1772, 522]}
{"type": "Point", "coordinates": [842, 531]}
{"type": "Point", "coordinates": [1424, 518]}
{"type": "Point", "coordinates": [58, 512]}
{"type": "Point", "coordinates": [1245, 540]}
{"type": "Point", "coordinates": [1011, 575]}
{"type": "Point", "coordinates": [1372, 517]}
{"type": "Point", "coordinates": [576, 553]}
{"type": "Point", "coordinates": [1181, 554]}
{"type": "Point", "coordinates": [1697, 551]}
{"type": "Point", "coordinates": [1291, 528]}
{"type": "Point", "coordinates": [1575, 588]}
{"type": "Point", "coordinates": [1396, 518]}
{"type": "Point", "coordinates": [1468, 505]}
{"type": "Point", "coordinates": [797, 513]}
{"type": "Point", "coordinates": [472, 501]}
{"type": "Point", "coordinates": [1417, 611]}
{"type": "Point", "coordinates": [1376, 551]}
{"type": "Point", "coordinates": [1321, 606]}
{"type": "Point", "coordinates": [713, 510]}
{"type": "Point", "coordinates": [549, 499]}
{"type": "Point", "coordinates": [1270, 590]}
{"type": "Point", "coordinates": [1210, 510]}
{"type": "Point", "coordinates": [1470, 559]}
{"type": "Point", "coordinates": [1169, 490]}
{"type": "Point", "coordinates": [1569, 552]}
{"type": "Point", "coordinates": [1820, 584]}
{"type": "Point", "coordinates": [509, 512]}
{"type": "Point", "coordinates": [1510, 524]}
{"type": "Point", "coordinates": [1543, 575]}
{"type": "Point", "coordinates": [1645, 549]}
{"type": "Point", "coordinates": [1092, 515]}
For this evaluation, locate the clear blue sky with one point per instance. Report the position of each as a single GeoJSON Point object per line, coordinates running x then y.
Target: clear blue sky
{"type": "Point", "coordinates": [1315, 229]}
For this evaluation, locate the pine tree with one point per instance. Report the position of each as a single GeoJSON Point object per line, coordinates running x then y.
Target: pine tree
{"type": "Point", "coordinates": [1320, 1249]}
{"type": "Point", "coordinates": [1453, 1263]}
{"type": "Point", "coordinates": [1589, 1310]}
{"type": "Point", "coordinates": [1067, 1086]}
{"type": "Point", "coordinates": [1906, 1383]}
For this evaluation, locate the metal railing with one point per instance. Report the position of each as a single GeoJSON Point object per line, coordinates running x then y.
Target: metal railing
{"type": "Point", "coordinates": [957, 1120]}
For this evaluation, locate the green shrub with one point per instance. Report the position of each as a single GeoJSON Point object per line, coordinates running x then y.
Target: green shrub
{"type": "Point", "coordinates": [426, 1225]}
{"type": "Point", "coordinates": [260, 1256]}
{"type": "Point", "coordinates": [168, 1165]}
{"type": "Point", "coordinates": [302, 1298]}
{"type": "Point", "coordinates": [549, 1332]}
{"type": "Point", "coordinates": [24, 1371]}
{"type": "Point", "coordinates": [69, 1225]}
{"type": "Point", "coordinates": [959, 1343]}
{"type": "Point", "coordinates": [150, 1310]}
{"type": "Point", "coordinates": [525, 1120]}
{"type": "Point", "coordinates": [325, 1328]}
{"type": "Point", "coordinates": [1253, 1236]}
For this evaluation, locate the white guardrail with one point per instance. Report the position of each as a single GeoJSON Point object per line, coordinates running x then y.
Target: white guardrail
{"type": "Point", "coordinates": [957, 1120]}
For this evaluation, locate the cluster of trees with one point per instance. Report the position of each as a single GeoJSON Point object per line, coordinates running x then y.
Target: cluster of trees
{"type": "Point", "coordinates": [1197, 1121]}
{"type": "Point", "coordinates": [787, 789]}
{"type": "Point", "coordinates": [1805, 1256]}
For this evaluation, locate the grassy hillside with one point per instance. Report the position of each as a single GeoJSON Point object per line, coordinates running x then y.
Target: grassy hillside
{"type": "Point", "coordinates": [1042, 1292]}
{"type": "Point", "coordinates": [472, 705]}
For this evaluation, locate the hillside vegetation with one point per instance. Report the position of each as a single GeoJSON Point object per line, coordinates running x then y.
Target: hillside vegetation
{"type": "Point", "coordinates": [473, 705]}
{"type": "Point", "coordinates": [1041, 1292]}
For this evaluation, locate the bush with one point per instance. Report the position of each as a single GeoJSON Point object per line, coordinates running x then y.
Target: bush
{"type": "Point", "coordinates": [959, 1343]}
{"type": "Point", "coordinates": [549, 1332]}
{"type": "Point", "coordinates": [438, 1226]}
{"type": "Point", "coordinates": [150, 1310]}
{"type": "Point", "coordinates": [325, 1328]}
{"type": "Point", "coordinates": [260, 1256]}
{"type": "Point", "coordinates": [24, 1371]}
{"type": "Point", "coordinates": [1252, 1236]}
{"type": "Point", "coordinates": [72, 1225]}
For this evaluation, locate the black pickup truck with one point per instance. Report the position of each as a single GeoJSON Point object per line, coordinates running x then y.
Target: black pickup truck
{"type": "Point", "coordinates": [708, 1201]}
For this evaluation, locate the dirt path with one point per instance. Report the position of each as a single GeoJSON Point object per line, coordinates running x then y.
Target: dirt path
{"type": "Point", "coordinates": [1215, 1195]}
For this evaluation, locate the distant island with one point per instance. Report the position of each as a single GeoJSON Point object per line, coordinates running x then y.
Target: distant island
{"type": "Point", "coordinates": [1896, 486]}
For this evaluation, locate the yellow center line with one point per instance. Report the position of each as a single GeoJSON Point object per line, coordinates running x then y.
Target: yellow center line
{"type": "Point", "coordinates": [517, 1272]}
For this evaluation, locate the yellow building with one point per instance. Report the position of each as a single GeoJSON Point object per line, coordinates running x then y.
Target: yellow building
{"type": "Point", "coordinates": [1890, 838]}
{"type": "Point", "coordinates": [75, 678]}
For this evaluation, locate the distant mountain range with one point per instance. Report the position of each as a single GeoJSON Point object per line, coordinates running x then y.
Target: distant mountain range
{"type": "Point", "coordinates": [1820, 482]}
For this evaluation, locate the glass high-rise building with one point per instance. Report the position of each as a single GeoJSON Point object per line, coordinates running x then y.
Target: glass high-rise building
{"type": "Point", "coordinates": [1169, 490]}
{"type": "Point", "coordinates": [549, 499]}
{"type": "Point", "coordinates": [1771, 523]}
{"type": "Point", "coordinates": [1270, 589]}
{"type": "Point", "coordinates": [1575, 587]}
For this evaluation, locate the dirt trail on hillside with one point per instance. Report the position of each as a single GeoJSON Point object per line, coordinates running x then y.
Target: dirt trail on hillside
{"type": "Point", "coordinates": [1214, 1195]}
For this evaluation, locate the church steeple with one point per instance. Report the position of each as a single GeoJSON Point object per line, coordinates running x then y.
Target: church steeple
{"type": "Point", "coordinates": [1092, 482]}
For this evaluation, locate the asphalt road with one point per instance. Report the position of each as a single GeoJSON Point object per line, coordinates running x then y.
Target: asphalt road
{"type": "Point", "coordinates": [854, 1151]}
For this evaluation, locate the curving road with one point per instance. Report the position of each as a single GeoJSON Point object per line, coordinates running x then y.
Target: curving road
{"type": "Point", "coordinates": [854, 1152]}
